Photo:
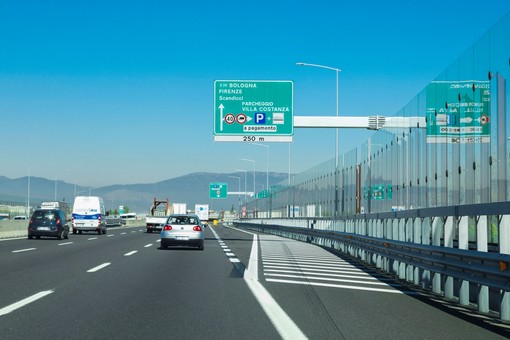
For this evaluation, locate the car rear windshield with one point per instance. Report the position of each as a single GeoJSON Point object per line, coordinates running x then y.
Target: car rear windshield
{"type": "Point", "coordinates": [45, 215]}
{"type": "Point", "coordinates": [183, 220]}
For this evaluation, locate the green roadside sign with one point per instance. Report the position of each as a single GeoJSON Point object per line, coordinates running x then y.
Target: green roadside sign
{"type": "Point", "coordinates": [458, 112]}
{"type": "Point", "coordinates": [218, 190]}
{"type": "Point", "coordinates": [253, 110]}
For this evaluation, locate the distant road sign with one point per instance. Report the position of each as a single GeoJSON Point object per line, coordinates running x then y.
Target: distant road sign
{"type": "Point", "coordinates": [458, 112]}
{"type": "Point", "coordinates": [263, 110]}
{"type": "Point", "coordinates": [218, 190]}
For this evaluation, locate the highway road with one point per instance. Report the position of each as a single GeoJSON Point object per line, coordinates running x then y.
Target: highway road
{"type": "Point", "coordinates": [122, 285]}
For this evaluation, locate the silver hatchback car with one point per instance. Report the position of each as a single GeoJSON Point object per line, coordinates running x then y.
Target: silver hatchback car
{"type": "Point", "coordinates": [183, 230]}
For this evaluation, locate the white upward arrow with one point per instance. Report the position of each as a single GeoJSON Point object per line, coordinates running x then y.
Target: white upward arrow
{"type": "Point", "coordinates": [221, 107]}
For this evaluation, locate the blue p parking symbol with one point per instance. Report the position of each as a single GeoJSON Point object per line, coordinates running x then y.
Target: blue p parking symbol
{"type": "Point", "coordinates": [260, 118]}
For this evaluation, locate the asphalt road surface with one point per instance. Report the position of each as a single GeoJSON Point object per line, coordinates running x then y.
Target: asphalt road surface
{"type": "Point", "coordinates": [122, 285]}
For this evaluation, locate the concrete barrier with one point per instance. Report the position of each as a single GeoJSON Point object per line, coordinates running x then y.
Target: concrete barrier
{"type": "Point", "coordinates": [18, 228]}
{"type": "Point", "coordinates": [15, 228]}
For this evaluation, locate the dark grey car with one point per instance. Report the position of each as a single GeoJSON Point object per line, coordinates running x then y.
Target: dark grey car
{"type": "Point", "coordinates": [48, 222]}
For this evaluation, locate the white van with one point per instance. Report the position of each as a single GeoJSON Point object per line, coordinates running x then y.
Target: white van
{"type": "Point", "coordinates": [89, 214]}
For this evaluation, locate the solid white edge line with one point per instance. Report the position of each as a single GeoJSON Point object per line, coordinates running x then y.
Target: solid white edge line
{"type": "Point", "coordinates": [95, 269]}
{"type": "Point", "coordinates": [24, 302]}
{"type": "Point", "coordinates": [282, 322]}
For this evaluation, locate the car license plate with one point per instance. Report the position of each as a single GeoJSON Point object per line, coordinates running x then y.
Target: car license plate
{"type": "Point", "coordinates": [182, 238]}
{"type": "Point", "coordinates": [43, 228]}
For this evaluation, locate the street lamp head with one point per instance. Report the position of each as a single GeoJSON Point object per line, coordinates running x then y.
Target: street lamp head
{"type": "Point", "coordinates": [320, 66]}
{"type": "Point", "coordinates": [258, 144]}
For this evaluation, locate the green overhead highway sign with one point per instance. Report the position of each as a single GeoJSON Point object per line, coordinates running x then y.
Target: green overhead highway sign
{"type": "Point", "coordinates": [253, 110]}
{"type": "Point", "coordinates": [218, 190]}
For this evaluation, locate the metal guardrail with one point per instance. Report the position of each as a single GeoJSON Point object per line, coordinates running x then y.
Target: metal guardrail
{"type": "Point", "coordinates": [468, 277]}
{"type": "Point", "coordinates": [114, 221]}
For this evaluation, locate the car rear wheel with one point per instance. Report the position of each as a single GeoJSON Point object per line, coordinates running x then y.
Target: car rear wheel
{"type": "Point", "coordinates": [30, 237]}
{"type": "Point", "coordinates": [201, 245]}
{"type": "Point", "coordinates": [60, 234]}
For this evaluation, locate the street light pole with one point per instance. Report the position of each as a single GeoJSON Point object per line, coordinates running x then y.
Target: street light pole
{"type": "Point", "coordinates": [267, 163]}
{"type": "Point", "coordinates": [244, 181]}
{"type": "Point", "coordinates": [337, 70]}
{"type": "Point", "coordinates": [28, 195]}
{"type": "Point", "coordinates": [251, 160]}
{"type": "Point", "coordinates": [238, 193]}
{"type": "Point", "coordinates": [55, 188]}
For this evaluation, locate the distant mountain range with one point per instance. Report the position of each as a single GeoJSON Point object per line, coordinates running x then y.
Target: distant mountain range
{"type": "Point", "coordinates": [190, 189]}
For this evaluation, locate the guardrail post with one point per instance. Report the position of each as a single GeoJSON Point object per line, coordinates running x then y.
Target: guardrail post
{"type": "Point", "coordinates": [504, 248]}
{"type": "Point", "coordinates": [409, 238]}
{"type": "Point", "coordinates": [482, 245]}
{"type": "Point", "coordinates": [417, 239]}
{"type": "Point", "coordinates": [395, 226]}
{"type": "Point", "coordinates": [402, 237]}
{"type": "Point", "coordinates": [426, 229]}
{"type": "Point", "coordinates": [437, 227]}
{"type": "Point", "coordinates": [464, 244]}
{"type": "Point", "coordinates": [449, 234]}
{"type": "Point", "coordinates": [380, 235]}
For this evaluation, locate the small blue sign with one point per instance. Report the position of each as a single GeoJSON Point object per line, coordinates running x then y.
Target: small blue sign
{"type": "Point", "coordinates": [260, 118]}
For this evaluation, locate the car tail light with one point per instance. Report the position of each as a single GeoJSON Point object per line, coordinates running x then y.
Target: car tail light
{"type": "Point", "coordinates": [167, 227]}
{"type": "Point", "coordinates": [58, 221]}
{"type": "Point", "coordinates": [197, 228]}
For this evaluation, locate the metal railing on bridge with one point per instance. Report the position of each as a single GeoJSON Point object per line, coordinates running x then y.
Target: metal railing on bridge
{"type": "Point", "coordinates": [459, 252]}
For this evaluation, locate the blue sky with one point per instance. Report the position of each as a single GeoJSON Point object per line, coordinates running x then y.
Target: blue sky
{"type": "Point", "coordinates": [124, 89]}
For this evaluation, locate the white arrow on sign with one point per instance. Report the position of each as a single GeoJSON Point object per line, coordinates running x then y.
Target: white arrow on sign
{"type": "Point", "coordinates": [221, 107]}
